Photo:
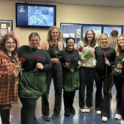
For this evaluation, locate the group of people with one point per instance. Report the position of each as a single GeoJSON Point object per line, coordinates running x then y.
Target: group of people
{"type": "Point", "coordinates": [27, 72]}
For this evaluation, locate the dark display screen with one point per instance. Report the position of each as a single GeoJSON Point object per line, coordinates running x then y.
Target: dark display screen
{"type": "Point", "coordinates": [35, 15]}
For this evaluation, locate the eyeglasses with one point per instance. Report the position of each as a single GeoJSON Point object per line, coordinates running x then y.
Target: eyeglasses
{"type": "Point", "coordinates": [9, 43]}
{"type": "Point", "coordinates": [34, 40]}
{"type": "Point", "coordinates": [70, 42]}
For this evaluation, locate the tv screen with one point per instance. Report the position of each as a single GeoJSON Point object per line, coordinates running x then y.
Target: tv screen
{"type": "Point", "coordinates": [35, 15]}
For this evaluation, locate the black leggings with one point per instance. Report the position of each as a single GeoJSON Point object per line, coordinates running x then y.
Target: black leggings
{"type": "Point", "coordinates": [86, 78]}
{"type": "Point", "coordinates": [119, 84]}
{"type": "Point", "coordinates": [56, 74]}
{"type": "Point", "coordinates": [5, 113]}
{"type": "Point", "coordinates": [68, 97]}
{"type": "Point", "coordinates": [28, 110]}
{"type": "Point", "coordinates": [102, 104]}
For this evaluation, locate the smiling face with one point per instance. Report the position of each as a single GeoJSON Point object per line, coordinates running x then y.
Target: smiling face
{"type": "Point", "coordinates": [104, 40]}
{"type": "Point", "coordinates": [90, 36]}
{"type": "Point", "coordinates": [70, 44]}
{"type": "Point", "coordinates": [121, 41]}
{"type": "Point", "coordinates": [34, 42]}
{"type": "Point", "coordinates": [10, 45]}
{"type": "Point", "coordinates": [55, 34]}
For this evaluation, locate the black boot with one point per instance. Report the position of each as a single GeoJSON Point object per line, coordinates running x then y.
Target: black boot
{"type": "Point", "coordinates": [72, 110]}
{"type": "Point", "coordinates": [67, 112]}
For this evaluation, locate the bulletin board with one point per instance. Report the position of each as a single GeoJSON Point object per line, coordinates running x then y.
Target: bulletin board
{"type": "Point", "coordinates": [71, 30]}
{"type": "Point", "coordinates": [5, 27]}
{"type": "Point", "coordinates": [78, 30]}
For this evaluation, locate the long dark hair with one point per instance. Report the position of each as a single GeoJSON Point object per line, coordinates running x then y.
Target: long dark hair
{"type": "Point", "coordinates": [3, 41]}
{"type": "Point", "coordinates": [85, 40]}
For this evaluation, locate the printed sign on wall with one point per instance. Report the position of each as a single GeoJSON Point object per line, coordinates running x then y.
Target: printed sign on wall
{"type": "Point", "coordinates": [5, 27]}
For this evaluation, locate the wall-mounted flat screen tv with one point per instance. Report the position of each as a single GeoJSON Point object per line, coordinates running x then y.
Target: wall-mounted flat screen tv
{"type": "Point", "coordinates": [35, 15]}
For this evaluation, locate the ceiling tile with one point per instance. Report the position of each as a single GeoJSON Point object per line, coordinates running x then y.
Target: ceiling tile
{"type": "Point", "coordinates": [103, 2]}
{"type": "Point", "coordinates": [117, 3]}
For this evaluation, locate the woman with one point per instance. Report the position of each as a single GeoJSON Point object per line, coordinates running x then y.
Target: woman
{"type": "Point", "coordinates": [52, 45]}
{"type": "Point", "coordinates": [32, 84]}
{"type": "Point", "coordinates": [105, 57]}
{"type": "Point", "coordinates": [69, 59]}
{"type": "Point", "coordinates": [86, 70]}
{"type": "Point", "coordinates": [54, 35]}
{"type": "Point", "coordinates": [8, 86]}
{"type": "Point", "coordinates": [119, 77]}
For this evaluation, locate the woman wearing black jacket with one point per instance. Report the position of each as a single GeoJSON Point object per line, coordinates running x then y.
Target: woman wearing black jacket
{"type": "Point", "coordinates": [105, 57]}
{"type": "Point", "coordinates": [69, 59]}
{"type": "Point", "coordinates": [119, 77]}
{"type": "Point", "coordinates": [33, 83]}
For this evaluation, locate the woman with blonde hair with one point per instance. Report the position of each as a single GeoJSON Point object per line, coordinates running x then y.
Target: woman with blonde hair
{"type": "Point", "coordinates": [119, 77]}
{"type": "Point", "coordinates": [53, 46]}
{"type": "Point", "coordinates": [98, 41]}
{"type": "Point", "coordinates": [86, 71]}
{"type": "Point", "coordinates": [105, 57]}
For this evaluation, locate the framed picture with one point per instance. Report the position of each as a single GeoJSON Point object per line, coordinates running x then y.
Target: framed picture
{"type": "Point", "coordinates": [5, 27]}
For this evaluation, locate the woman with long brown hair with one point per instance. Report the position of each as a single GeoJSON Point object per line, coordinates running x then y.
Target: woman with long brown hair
{"type": "Point", "coordinates": [86, 70]}
{"type": "Point", "coordinates": [8, 85]}
{"type": "Point", "coordinates": [53, 46]}
{"type": "Point", "coordinates": [119, 77]}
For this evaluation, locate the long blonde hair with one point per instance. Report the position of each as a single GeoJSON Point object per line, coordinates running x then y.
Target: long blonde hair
{"type": "Point", "coordinates": [118, 48]}
{"type": "Point", "coordinates": [99, 40]}
{"type": "Point", "coordinates": [49, 37]}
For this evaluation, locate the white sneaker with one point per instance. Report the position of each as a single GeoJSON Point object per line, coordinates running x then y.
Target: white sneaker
{"type": "Point", "coordinates": [98, 112]}
{"type": "Point", "coordinates": [82, 109]}
{"type": "Point", "coordinates": [104, 118]}
{"type": "Point", "coordinates": [87, 109]}
{"type": "Point", "coordinates": [117, 116]}
{"type": "Point", "coordinates": [122, 121]}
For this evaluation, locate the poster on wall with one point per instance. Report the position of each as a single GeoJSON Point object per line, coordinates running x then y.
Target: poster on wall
{"type": "Point", "coordinates": [97, 33]}
{"type": "Point", "coordinates": [5, 27]}
{"type": "Point", "coordinates": [78, 33]}
{"type": "Point", "coordinates": [72, 35]}
{"type": "Point", "coordinates": [65, 35]}
{"type": "Point", "coordinates": [3, 32]}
